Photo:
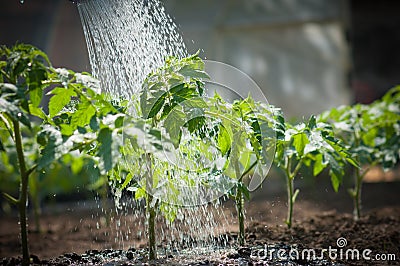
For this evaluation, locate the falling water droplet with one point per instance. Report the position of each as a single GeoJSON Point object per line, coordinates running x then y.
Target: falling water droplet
{"type": "Point", "coordinates": [119, 59]}
{"type": "Point", "coordinates": [111, 31]}
{"type": "Point", "coordinates": [21, 1]}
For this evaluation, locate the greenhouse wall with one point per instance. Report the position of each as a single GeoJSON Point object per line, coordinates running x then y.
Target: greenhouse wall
{"type": "Point", "coordinates": [296, 51]}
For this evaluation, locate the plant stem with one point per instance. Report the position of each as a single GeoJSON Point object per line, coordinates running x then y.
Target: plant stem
{"type": "Point", "coordinates": [22, 201]}
{"type": "Point", "coordinates": [290, 193]}
{"type": "Point", "coordinates": [357, 191]}
{"type": "Point", "coordinates": [239, 208]}
{"type": "Point", "coordinates": [357, 196]}
{"type": "Point", "coordinates": [239, 201]}
{"type": "Point", "coordinates": [151, 228]}
{"type": "Point", "coordinates": [357, 185]}
{"type": "Point", "coordinates": [150, 208]}
{"type": "Point", "coordinates": [290, 187]}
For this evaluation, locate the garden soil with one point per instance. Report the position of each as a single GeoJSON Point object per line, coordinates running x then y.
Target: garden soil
{"type": "Point", "coordinates": [72, 236]}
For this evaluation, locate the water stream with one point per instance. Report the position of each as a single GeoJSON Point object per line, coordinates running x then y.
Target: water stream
{"type": "Point", "coordinates": [126, 40]}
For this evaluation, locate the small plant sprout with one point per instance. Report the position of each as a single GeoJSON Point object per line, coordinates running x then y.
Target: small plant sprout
{"type": "Point", "coordinates": [372, 133]}
{"type": "Point", "coordinates": [313, 145]}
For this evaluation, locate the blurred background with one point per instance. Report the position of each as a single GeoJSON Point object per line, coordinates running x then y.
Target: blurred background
{"type": "Point", "coordinates": [306, 55]}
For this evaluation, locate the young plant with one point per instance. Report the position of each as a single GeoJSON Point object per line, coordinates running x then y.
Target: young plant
{"type": "Point", "coordinates": [79, 121]}
{"type": "Point", "coordinates": [309, 144]}
{"type": "Point", "coordinates": [170, 104]}
{"type": "Point", "coordinates": [372, 133]}
{"type": "Point", "coordinates": [61, 177]}
{"type": "Point", "coordinates": [246, 137]}
{"type": "Point", "coordinates": [23, 70]}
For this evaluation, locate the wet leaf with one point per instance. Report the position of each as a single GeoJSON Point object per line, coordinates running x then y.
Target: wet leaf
{"type": "Point", "coordinates": [173, 123]}
{"type": "Point", "coordinates": [224, 140]}
{"type": "Point", "coordinates": [61, 97]}
{"type": "Point", "coordinates": [105, 149]}
{"type": "Point", "coordinates": [299, 142]}
{"type": "Point", "coordinates": [14, 112]}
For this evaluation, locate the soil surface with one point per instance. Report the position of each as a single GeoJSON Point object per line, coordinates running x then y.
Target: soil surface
{"type": "Point", "coordinates": [79, 235]}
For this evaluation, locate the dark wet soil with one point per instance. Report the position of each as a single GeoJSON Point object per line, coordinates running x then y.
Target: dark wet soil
{"type": "Point", "coordinates": [81, 237]}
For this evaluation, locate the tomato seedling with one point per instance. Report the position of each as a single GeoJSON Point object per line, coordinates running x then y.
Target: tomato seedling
{"type": "Point", "coordinates": [309, 144]}
{"type": "Point", "coordinates": [80, 121]}
{"type": "Point", "coordinates": [246, 137]}
{"type": "Point", "coordinates": [170, 104]}
{"type": "Point", "coordinates": [372, 133]}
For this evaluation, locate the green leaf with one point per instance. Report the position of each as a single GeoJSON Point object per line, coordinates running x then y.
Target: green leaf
{"type": "Point", "coordinates": [152, 98]}
{"type": "Point", "coordinates": [83, 115]}
{"type": "Point", "coordinates": [36, 96]}
{"type": "Point", "coordinates": [8, 90]}
{"type": "Point", "coordinates": [336, 180]}
{"type": "Point", "coordinates": [140, 193]}
{"type": "Point", "coordinates": [299, 142]}
{"type": "Point", "coordinates": [66, 130]}
{"type": "Point", "coordinates": [224, 140]}
{"type": "Point", "coordinates": [94, 123]}
{"type": "Point", "coordinates": [319, 164]}
{"type": "Point", "coordinates": [352, 162]}
{"type": "Point", "coordinates": [369, 136]}
{"type": "Point", "coordinates": [127, 180]}
{"type": "Point", "coordinates": [189, 71]}
{"type": "Point", "coordinates": [52, 141]}
{"type": "Point", "coordinates": [173, 124]}
{"type": "Point", "coordinates": [62, 96]}
{"type": "Point", "coordinates": [37, 111]}
{"type": "Point", "coordinates": [14, 112]}
{"type": "Point", "coordinates": [36, 75]}
{"type": "Point", "coordinates": [77, 165]}
{"type": "Point", "coordinates": [312, 122]}
{"type": "Point", "coordinates": [195, 124]}
{"type": "Point", "coordinates": [1, 146]}
{"type": "Point", "coordinates": [6, 124]}
{"type": "Point", "coordinates": [105, 152]}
